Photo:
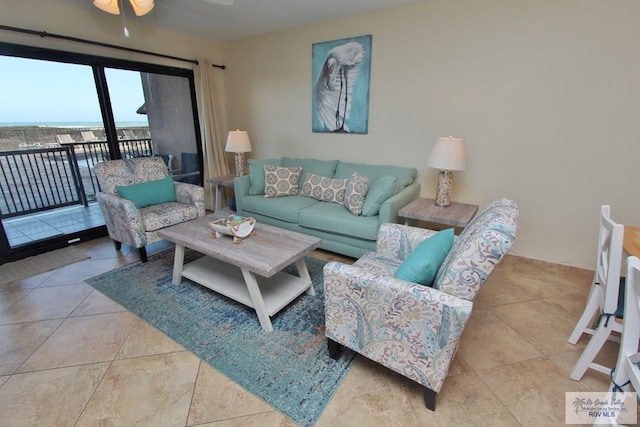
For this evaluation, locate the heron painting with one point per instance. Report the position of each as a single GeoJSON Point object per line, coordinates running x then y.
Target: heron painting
{"type": "Point", "coordinates": [341, 74]}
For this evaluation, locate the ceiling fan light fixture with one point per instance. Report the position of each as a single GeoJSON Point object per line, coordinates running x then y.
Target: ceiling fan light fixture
{"type": "Point", "coordinates": [110, 6]}
{"type": "Point", "coordinates": [141, 7]}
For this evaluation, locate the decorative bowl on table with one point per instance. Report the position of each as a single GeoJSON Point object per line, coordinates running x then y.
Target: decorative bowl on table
{"type": "Point", "coordinates": [239, 227]}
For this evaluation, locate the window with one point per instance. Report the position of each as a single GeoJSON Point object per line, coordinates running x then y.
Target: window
{"type": "Point", "coordinates": [60, 113]}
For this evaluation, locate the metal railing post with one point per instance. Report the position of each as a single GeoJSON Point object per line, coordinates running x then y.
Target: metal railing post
{"type": "Point", "coordinates": [75, 172]}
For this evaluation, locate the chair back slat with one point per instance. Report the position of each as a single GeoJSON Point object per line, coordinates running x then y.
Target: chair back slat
{"type": "Point", "coordinates": [632, 301]}
{"type": "Point", "coordinates": [609, 260]}
{"type": "Point", "coordinates": [627, 370]}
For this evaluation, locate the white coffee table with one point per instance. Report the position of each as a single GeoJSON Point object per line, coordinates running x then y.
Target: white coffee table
{"type": "Point", "coordinates": [250, 271]}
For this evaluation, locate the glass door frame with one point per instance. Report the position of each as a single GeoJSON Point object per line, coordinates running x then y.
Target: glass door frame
{"type": "Point", "coordinates": [98, 64]}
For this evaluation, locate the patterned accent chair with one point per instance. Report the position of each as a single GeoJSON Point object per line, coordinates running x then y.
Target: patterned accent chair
{"type": "Point", "coordinates": [410, 328]}
{"type": "Point", "coordinates": [137, 227]}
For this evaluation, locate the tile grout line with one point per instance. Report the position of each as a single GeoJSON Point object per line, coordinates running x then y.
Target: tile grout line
{"type": "Point", "coordinates": [98, 383]}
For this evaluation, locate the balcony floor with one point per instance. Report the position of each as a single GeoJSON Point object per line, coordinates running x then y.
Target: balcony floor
{"type": "Point", "coordinates": [58, 222]}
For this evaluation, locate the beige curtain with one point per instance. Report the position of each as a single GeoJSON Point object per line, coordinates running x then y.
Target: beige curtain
{"type": "Point", "coordinates": [213, 140]}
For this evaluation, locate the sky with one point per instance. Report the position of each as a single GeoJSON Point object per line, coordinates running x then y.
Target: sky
{"type": "Point", "coordinates": [44, 92]}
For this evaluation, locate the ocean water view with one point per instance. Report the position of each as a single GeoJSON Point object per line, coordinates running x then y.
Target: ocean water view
{"type": "Point", "coordinates": [37, 135]}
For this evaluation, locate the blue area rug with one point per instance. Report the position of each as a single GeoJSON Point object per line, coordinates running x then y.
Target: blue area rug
{"type": "Point", "coordinates": [288, 368]}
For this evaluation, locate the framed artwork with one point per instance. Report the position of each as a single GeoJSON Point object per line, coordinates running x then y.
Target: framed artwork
{"type": "Point", "coordinates": [341, 74]}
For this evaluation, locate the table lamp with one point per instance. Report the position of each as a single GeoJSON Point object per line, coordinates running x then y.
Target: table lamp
{"type": "Point", "coordinates": [448, 155]}
{"type": "Point", "coordinates": [238, 143]}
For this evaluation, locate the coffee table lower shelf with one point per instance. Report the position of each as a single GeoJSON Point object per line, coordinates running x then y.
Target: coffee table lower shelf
{"type": "Point", "coordinates": [273, 293]}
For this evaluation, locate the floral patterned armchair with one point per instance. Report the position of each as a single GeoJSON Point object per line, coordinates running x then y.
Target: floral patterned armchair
{"type": "Point", "coordinates": [128, 224]}
{"type": "Point", "coordinates": [410, 328]}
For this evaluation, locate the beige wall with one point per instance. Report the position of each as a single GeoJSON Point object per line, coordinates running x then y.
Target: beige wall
{"type": "Point", "coordinates": [546, 94]}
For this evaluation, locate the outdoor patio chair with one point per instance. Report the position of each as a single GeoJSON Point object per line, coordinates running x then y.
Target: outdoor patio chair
{"type": "Point", "coordinates": [88, 136]}
{"type": "Point", "coordinates": [137, 198]}
{"type": "Point", "coordinates": [128, 134]}
{"type": "Point", "coordinates": [64, 139]}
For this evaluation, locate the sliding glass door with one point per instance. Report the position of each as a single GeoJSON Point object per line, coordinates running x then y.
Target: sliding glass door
{"type": "Point", "coordinates": [60, 114]}
{"type": "Point", "coordinates": [164, 102]}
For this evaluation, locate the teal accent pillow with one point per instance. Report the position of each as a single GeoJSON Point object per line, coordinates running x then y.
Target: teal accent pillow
{"type": "Point", "coordinates": [256, 174]}
{"type": "Point", "coordinates": [149, 193]}
{"type": "Point", "coordinates": [380, 191]}
{"type": "Point", "coordinates": [423, 263]}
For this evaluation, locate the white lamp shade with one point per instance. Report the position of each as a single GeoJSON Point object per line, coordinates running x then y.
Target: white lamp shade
{"type": "Point", "coordinates": [238, 142]}
{"type": "Point", "coordinates": [110, 6]}
{"type": "Point", "coordinates": [448, 154]}
{"type": "Point", "coordinates": [141, 7]}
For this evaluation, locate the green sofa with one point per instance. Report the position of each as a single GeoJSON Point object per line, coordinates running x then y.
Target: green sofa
{"type": "Point", "coordinates": [341, 231]}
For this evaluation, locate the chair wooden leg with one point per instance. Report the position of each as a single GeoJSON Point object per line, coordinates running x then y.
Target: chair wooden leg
{"type": "Point", "coordinates": [117, 244]}
{"type": "Point", "coordinates": [430, 398]}
{"type": "Point", "coordinates": [334, 349]}
{"type": "Point", "coordinates": [143, 254]}
{"type": "Point", "coordinates": [591, 350]}
{"type": "Point", "coordinates": [590, 310]}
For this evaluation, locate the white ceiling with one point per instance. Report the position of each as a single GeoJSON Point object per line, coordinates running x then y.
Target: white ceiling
{"type": "Point", "coordinates": [220, 22]}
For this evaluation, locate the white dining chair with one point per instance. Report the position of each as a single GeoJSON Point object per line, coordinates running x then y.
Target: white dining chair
{"type": "Point", "coordinates": [627, 371]}
{"type": "Point", "coordinates": [602, 303]}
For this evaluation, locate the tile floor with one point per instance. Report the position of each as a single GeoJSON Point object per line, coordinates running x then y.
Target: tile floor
{"type": "Point", "coordinates": [57, 222]}
{"type": "Point", "coordinates": [69, 356]}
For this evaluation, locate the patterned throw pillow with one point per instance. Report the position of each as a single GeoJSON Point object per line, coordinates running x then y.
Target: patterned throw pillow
{"type": "Point", "coordinates": [323, 188]}
{"type": "Point", "coordinates": [355, 193]}
{"type": "Point", "coordinates": [280, 181]}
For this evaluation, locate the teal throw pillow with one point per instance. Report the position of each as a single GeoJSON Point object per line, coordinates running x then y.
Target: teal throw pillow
{"type": "Point", "coordinates": [423, 263]}
{"type": "Point", "coordinates": [378, 193]}
{"type": "Point", "coordinates": [149, 193]}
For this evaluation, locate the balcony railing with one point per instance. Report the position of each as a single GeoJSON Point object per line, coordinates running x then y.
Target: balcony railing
{"type": "Point", "coordinates": [38, 179]}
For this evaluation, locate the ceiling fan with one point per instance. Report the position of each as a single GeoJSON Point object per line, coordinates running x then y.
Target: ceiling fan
{"type": "Point", "coordinates": [140, 7]}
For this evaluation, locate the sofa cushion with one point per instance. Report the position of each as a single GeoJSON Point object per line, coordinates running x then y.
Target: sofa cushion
{"type": "Point", "coordinates": [281, 208]}
{"type": "Point", "coordinates": [477, 251]}
{"type": "Point", "coordinates": [357, 186]}
{"type": "Point", "coordinates": [256, 174]}
{"type": "Point", "coordinates": [324, 188]}
{"type": "Point", "coordinates": [423, 263]}
{"type": "Point", "coordinates": [163, 215]}
{"type": "Point", "coordinates": [281, 181]}
{"type": "Point", "coordinates": [149, 193]}
{"type": "Point", "coordinates": [319, 167]}
{"type": "Point", "coordinates": [334, 218]}
{"type": "Point", "coordinates": [405, 175]}
{"type": "Point", "coordinates": [380, 191]}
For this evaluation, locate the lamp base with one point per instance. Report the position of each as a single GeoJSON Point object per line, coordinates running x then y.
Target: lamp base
{"type": "Point", "coordinates": [240, 169]}
{"type": "Point", "coordinates": [443, 194]}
